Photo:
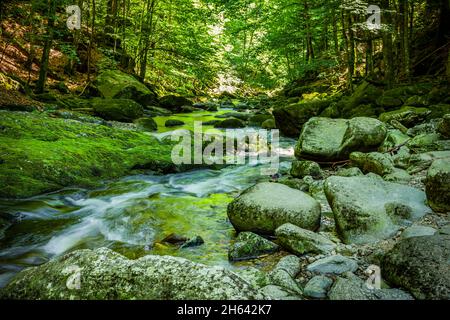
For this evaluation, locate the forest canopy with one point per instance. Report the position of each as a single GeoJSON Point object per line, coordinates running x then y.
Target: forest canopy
{"type": "Point", "coordinates": [216, 45]}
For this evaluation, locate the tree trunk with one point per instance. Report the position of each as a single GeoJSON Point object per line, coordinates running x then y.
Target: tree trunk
{"type": "Point", "coordinates": [147, 31]}
{"type": "Point", "coordinates": [309, 44]}
{"type": "Point", "coordinates": [335, 34]}
{"type": "Point", "coordinates": [404, 32]}
{"type": "Point", "coordinates": [91, 40]}
{"type": "Point", "coordinates": [40, 85]}
{"type": "Point", "coordinates": [388, 57]}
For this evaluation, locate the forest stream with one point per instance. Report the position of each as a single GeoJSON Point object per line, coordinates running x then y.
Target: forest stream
{"type": "Point", "coordinates": [132, 214]}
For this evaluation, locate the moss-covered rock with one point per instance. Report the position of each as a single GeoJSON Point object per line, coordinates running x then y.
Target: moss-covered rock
{"type": "Point", "coordinates": [115, 84]}
{"type": "Point", "coordinates": [250, 246]}
{"type": "Point", "coordinates": [407, 116]}
{"type": "Point", "coordinates": [173, 123]}
{"type": "Point", "coordinates": [117, 109]}
{"type": "Point", "coordinates": [379, 163]}
{"type": "Point", "coordinates": [351, 287]}
{"type": "Point", "coordinates": [326, 139]}
{"type": "Point", "coordinates": [174, 103]}
{"type": "Point", "coordinates": [389, 102]}
{"type": "Point", "coordinates": [269, 124]}
{"type": "Point", "coordinates": [444, 126]}
{"type": "Point", "coordinates": [41, 154]}
{"type": "Point", "coordinates": [290, 119]}
{"type": "Point", "coordinates": [146, 124]}
{"type": "Point", "coordinates": [417, 101]}
{"type": "Point", "coordinates": [438, 185]}
{"type": "Point", "coordinates": [230, 124]}
{"type": "Point", "coordinates": [369, 209]}
{"type": "Point", "coordinates": [266, 206]}
{"type": "Point", "coordinates": [104, 274]}
{"type": "Point", "coordinates": [301, 169]}
{"type": "Point", "coordinates": [420, 265]}
{"type": "Point", "coordinates": [300, 241]}
{"type": "Point", "coordinates": [258, 119]}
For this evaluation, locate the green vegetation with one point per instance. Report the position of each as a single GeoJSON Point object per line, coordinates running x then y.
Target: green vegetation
{"type": "Point", "coordinates": [40, 154]}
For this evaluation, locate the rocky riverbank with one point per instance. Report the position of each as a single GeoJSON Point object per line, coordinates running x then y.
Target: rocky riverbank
{"type": "Point", "coordinates": [369, 187]}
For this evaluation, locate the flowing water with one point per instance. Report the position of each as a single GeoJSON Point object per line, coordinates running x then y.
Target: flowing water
{"type": "Point", "coordinates": [132, 214]}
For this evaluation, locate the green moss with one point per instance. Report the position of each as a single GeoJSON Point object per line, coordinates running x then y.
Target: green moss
{"type": "Point", "coordinates": [40, 154]}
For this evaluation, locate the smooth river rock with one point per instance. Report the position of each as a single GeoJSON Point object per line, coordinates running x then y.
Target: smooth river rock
{"type": "Point", "coordinates": [105, 275]}
{"type": "Point", "coordinates": [266, 206]}
{"type": "Point", "coordinates": [325, 139]}
{"type": "Point", "coordinates": [300, 241]}
{"type": "Point", "coordinates": [368, 209]}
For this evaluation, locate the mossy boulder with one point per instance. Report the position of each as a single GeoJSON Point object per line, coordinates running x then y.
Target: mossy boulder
{"type": "Point", "coordinates": [300, 241]}
{"type": "Point", "coordinates": [407, 116]}
{"type": "Point", "coordinates": [438, 185]}
{"type": "Point", "coordinates": [106, 275]}
{"type": "Point", "coordinates": [421, 266]}
{"type": "Point", "coordinates": [290, 119]}
{"type": "Point", "coordinates": [230, 124]}
{"type": "Point", "coordinates": [368, 209]}
{"type": "Point", "coordinates": [417, 101]}
{"type": "Point", "coordinates": [266, 206]}
{"type": "Point", "coordinates": [444, 126]}
{"type": "Point", "coordinates": [41, 154]}
{"type": "Point", "coordinates": [361, 102]}
{"type": "Point", "coordinates": [301, 169]}
{"type": "Point", "coordinates": [258, 119]}
{"type": "Point", "coordinates": [173, 123]}
{"type": "Point", "coordinates": [249, 245]}
{"type": "Point", "coordinates": [146, 124]}
{"type": "Point", "coordinates": [269, 124]}
{"type": "Point", "coordinates": [123, 110]}
{"type": "Point", "coordinates": [389, 102]}
{"type": "Point", "coordinates": [326, 139]}
{"type": "Point", "coordinates": [351, 287]}
{"type": "Point", "coordinates": [115, 84]}
{"type": "Point", "coordinates": [174, 103]}
{"type": "Point", "coordinates": [379, 163]}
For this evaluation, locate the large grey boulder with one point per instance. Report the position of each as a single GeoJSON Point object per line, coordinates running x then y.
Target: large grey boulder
{"type": "Point", "coordinates": [368, 209]}
{"type": "Point", "coordinates": [266, 206]}
{"type": "Point", "coordinates": [105, 274]}
{"type": "Point", "coordinates": [438, 185]}
{"type": "Point", "coordinates": [336, 264]}
{"type": "Point", "coordinates": [350, 287]}
{"type": "Point", "coordinates": [421, 265]}
{"type": "Point", "coordinates": [325, 139]}
{"type": "Point", "coordinates": [300, 241]}
{"type": "Point", "coordinates": [318, 287]}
